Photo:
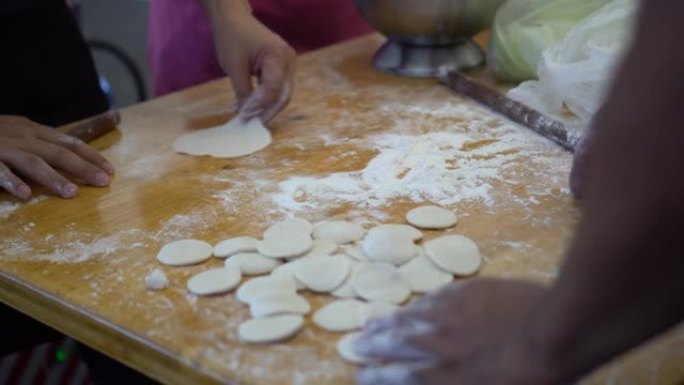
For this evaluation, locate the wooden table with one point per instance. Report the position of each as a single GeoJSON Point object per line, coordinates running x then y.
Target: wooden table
{"type": "Point", "coordinates": [78, 265]}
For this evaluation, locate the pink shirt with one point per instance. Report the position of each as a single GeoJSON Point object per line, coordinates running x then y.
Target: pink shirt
{"type": "Point", "coordinates": [181, 50]}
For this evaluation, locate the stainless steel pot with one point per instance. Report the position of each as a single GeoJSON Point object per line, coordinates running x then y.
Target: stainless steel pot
{"type": "Point", "coordinates": [426, 34]}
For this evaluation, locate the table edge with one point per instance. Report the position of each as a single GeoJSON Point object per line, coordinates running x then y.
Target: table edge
{"type": "Point", "coordinates": [105, 336]}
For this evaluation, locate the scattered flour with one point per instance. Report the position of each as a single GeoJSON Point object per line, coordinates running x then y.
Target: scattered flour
{"type": "Point", "coordinates": [182, 226]}
{"type": "Point", "coordinates": [37, 199]}
{"type": "Point", "coordinates": [75, 249]}
{"type": "Point", "coordinates": [440, 167]}
{"type": "Point", "coordinates": [7, 208]}
{"type": "Point", "coordinates": [148, 167]}
{"type": "Point", "coordinates": [332, 140]}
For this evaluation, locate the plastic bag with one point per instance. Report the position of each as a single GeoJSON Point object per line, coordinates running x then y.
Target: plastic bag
{"type": "Point", "coordinates": [575, 72]}
{"type": "Point", "coordinates": [523, 29]}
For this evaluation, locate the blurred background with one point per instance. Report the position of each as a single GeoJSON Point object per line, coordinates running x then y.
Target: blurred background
{"type": "Point", "coordinates": [117, 34]}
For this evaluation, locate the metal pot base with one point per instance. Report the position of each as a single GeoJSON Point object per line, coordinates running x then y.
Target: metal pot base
{"type": "Point", "coordinates": [425, 61]}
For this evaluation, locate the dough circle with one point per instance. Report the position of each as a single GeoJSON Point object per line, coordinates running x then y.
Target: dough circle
{"type": "Point", "coordinates": [230, 140]}
{"type": "Point", "coordinates": [214, 281]}
{"type": "Point", "coordinates": [345, 348]}
{"type": "Point", "coordinates": [234, 246]}
{"type": "Point", "coordinates": [339, 316]}
{"type": "Point", "coordinates": [355, 253]}
{"type": "Point", "coordinates": [288, 270]}
{"type": "Point", "coordinates": [372, 310]}
{"type": "Point", "coordinates": [185, 252]}
{"type": "Point", "coordinates": [455, 253]}
{"type": "Point", "coordinates": [296, 225]}
{"type": "Point", "coordinates": [381, 282]}
{"type": "Point", "coordinates": [285, 244]}
{"type": "Point", "coordinates": [431, 217]}
{"type": "Point", "coordinates": [321, 247]}
{"type": "Point", "coordinates": [399, 229]}
{"type": "Point", "coordinates": [388, 246]}
{"type": "Point", "coordinates": [270, 304]}
{"type": "Point", "coordinates": [346, 290]}
{"type": "Point", "coordinates": [423, 276]}
{"type": "Point", "coordinates": [252, 263]}
{"type": "Point", "coordinates": [340, 232]}
{"type": "Point", "coordinates": [322, 274]}
{"type": "Point", "coordinates": [270, 329]}
{"type": "Point", "coordinates": [263, 285]}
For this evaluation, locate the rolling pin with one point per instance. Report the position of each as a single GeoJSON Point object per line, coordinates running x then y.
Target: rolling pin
{"type": "Point", "coordinates": [516, 111]}
{"type": "Point", "coordinates": [93, 127]}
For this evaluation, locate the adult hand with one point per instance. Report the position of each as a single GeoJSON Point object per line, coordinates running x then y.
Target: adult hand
{"type": "Point", "coordinates": [33, 151]}
{"type": "Point", "coordinates": [467, 334]}
{"type": "Point", "coordinates": [246, 48]}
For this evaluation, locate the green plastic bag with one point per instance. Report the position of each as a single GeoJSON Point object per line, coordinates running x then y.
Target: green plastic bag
{"type": "Point", "coordinates": [523, 29]}
{"type": "Point", "coordinates": [575, 73]}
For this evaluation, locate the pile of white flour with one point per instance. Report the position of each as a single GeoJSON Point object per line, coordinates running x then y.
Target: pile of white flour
{"type": "Point", "coordinates": [440, 167]}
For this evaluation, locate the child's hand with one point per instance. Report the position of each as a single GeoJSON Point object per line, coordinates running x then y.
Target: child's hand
{"type": "Point", "coordinates": [32, 151]}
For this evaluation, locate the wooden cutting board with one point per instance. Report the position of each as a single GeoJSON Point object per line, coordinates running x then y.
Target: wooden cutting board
{"type": "Point", "coordinates": [79, 264]}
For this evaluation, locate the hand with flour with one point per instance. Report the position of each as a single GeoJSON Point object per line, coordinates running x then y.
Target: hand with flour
{"type": "Point", "coordinates": [33, 151]}
{"type": "Point", "coordinates": [246, 48]}
{"type": "Point", "coordinates": [466, 334]}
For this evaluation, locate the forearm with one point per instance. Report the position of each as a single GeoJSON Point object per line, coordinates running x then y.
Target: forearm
{"type": "Point", "coordinates": [623, 280]}
{"type": "Point", "coordinates": [221, 10]}
{"type": "Point", "coordinates": [614, 293]}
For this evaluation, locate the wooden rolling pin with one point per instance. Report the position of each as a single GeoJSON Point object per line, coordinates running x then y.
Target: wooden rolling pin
{"type": "Point", "coordinates": [93, 127]}
{"type": "Point", "coordinates": [517, 112]}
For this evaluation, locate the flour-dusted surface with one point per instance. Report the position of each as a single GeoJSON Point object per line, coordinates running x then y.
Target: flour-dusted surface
{"type": "Point", "coordinates": [8, 207]}
{"type": "Point", "coordinates": [444, 167]}
{"type": "Point", "coordinates": [354, 145]}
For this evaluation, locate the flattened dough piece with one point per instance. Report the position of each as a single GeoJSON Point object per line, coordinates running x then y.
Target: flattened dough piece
{"type": "Point", "coordinates": [270, 329]}
{"type": "Point", "coordinates": [252, 263]}
{"type": "Point", "coordinates": [185, 252]}
{"type": "Point", "coordinates": [381, 282]}
{"type": "Point", "coordinates": [215, 281]}
{"type": "Point", "coordinates": [346, 290]}
{"type": "Point", "coordinates": [322, 274]}
{"type": "Point", "coordinates": [356, 253]}
{"type": "Point", "coordinates": [156, 280]}
{"type": "Point", "coordinates": [295, 225]}
{"type": "Point", "coordinates": [230, 140]}
{"type": "Point", "coordinates": [340, 232]}
{"type": "Point", "coordinates": [236, 245]}
{"type": "Point", "coordinates": [263, 285]}
{"type": "Point", "coordinates": [373, 310]}
{"type": "Point", "coordinates": [339, 316]}
{"type": "Point", "coordinates": [431, 217]}
{"type": "Point", "coordinates": [270, 304]}
{"type": "Point", "coordinates": [455, 254]}
{"type": "Point", "coordinates": [285, 244]}
{"type": "Point", "coordinates": [423, 276]}
{"type": "Point", "coordinates": [345, 348]}
{"type": "Point", "coordinates": [399, 229]}
{"type": "Point", "coordinates": [288, 270]}
{"type": "Point", "coordinates": [321, 247]}
{"type": "Point", "coordinates": [389, 247]}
